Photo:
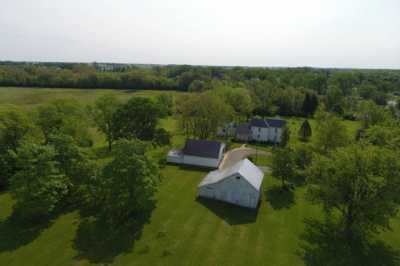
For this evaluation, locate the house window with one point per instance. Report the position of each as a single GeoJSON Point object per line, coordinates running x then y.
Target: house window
{"type": "Point", "coordinates": [209, 188]}
{"type": "Point", "coordinates": [259, 129]}
{"type": "Point", "coordinates": [238, 177]}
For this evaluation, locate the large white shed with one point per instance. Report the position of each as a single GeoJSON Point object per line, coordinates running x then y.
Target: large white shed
{"type": "Point", "coordinates": [239, 184]}
{"type": "Point", "coordinates": [203, 153]}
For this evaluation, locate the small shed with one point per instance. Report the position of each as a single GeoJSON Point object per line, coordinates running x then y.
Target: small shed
{"type": "Point", "coordinates": [239, 184]}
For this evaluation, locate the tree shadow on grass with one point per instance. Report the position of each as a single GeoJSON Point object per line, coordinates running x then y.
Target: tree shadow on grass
{"type": "Point", "coordinates": [232, 214]}
{"type": "Point", "coordinates": [99, 242]}
{"type": "Point", "coordinates": [16, 232]}
{"type": "Point", "coordinates": [323, 244]}
{"type": "Point", "coordinates": [280, 198]}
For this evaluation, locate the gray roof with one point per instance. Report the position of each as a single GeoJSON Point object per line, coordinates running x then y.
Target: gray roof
{"type": "Point", "coordinates": [244, 168]}
{"type": "Point", "coordinates": [203, 148]}
{"type": "Point", "coordinates": [276, 122]}
{"type": "Point", "coordinates": [269, 122]}
{"type": "Point", "coordinates": [257, 122]}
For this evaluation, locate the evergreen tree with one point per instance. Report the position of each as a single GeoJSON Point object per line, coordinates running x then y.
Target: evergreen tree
{"type": "Point", "coordinates": [305, 131]}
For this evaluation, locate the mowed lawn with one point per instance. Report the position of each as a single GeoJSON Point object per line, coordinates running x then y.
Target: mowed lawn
{"type": "Point", "coordinates": [181, 230]}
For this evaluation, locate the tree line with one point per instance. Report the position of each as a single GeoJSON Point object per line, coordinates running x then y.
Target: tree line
{"type": "Point", "coordinates": [196, 78]}
{"type": "Point", "coordinates": [48, 162]}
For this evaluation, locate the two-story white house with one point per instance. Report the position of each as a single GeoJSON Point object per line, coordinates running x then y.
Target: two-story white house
{"type": "Point", "coordinates": [261, 130]}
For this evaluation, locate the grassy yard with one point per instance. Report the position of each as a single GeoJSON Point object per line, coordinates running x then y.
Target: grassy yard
{"type": "Point", "coordinates": [30, 97]}
{"type": "Point", "coordinates": [183, 230]}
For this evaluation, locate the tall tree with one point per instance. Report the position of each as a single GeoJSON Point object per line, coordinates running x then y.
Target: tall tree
{"type": "Point", "coordinates": [330, 132]}
{"type": "Point", "coordinates": [15, 128]}
{"type": "Point", "coordinates": [334, 100]}
{"type": "Point", "coordinates": [283, 164]}
{"type": "Point", "coordinates": [38, 186]}
{"type": "Point", "coordinates": [201, 114]}
{"type": "Point", "coordinates": [129, 183]}
{"type": "Point", "coordinates": [103, 113]}
{"type": "Point", "coordinates": [371, 114]}
{"type": "Point", "coordinates": [137, 118]}
{"type": "Point", "coordinates": [65, 117]}
{"type": "Point", "coordinates": [361, 184]}
{"type": "Point", "coordinates": [166, 103]}
{"type": "Point", "coordinates": [305, 131]}
{"type": "Point", "coordinates": [238, 98]}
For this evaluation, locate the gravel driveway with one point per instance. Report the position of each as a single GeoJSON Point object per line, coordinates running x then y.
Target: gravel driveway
{"type": "Point", "coordinates": [235, 155]}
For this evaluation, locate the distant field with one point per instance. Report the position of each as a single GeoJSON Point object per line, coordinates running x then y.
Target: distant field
{"type": "Point", "coordinates": [181, 230]}
{"type": "Point", "coordinates": [30, 97]}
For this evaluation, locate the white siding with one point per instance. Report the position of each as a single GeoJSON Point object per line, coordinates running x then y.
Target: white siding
{"type": "Point", "coordinates": [201, 161]}
{"type": "Point", "coordinates": [174, 159]}
{"type": "Point", "coordinates": [232, 190]}
{"type": "Point", "coordinates": [265, 134]}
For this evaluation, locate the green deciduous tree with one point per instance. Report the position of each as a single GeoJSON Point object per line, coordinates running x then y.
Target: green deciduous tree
{"type": "Point", "coordinates": [15, 128]}
{"type": "Point", "coordinates": [238, 98]}
{"type": "Point", "coordinates": [334, 100]}
{"type": "Point", "coordinates": [72, 160]}
{"type": "Point", "coordinates": [383, 135]}
{"type": "Point", "coordinates": [129, 182]}
{"type": "Point", "coordinates": [103, 114]}
{"type": "Point", "coordinates": [66, 117]}
{"type": "Point", "coordinates": [361, 184]}
{"type": "Point", "coordinates": [283, 164]}
{"type": "Point", "coordinates": [371, 114]}
{"type": "Point", "coordinates": [200, 115]}
{"type": "Point", "coordinates": [166, 103]}
{"type": "Point", "coordinates": [38, 186]}
{"type": "Point", "coordinates": [330, 132]}
{"type": "Point", "coordinates": [137, 118]}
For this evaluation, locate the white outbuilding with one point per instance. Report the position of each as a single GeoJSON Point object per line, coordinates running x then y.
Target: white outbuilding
{"type": "Point", "coordinates": [203, 153]}
{"type": "Point", "coordinates": [239, 184]}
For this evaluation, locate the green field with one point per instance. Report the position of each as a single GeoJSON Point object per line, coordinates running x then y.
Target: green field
{"type": "Point", "coordinates": [29, 97]}
{"type": "Point", "coordinates": [181, 230]}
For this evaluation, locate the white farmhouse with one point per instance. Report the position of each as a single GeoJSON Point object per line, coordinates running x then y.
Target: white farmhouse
{"type": "Point", "coordinates": [261, 130]}
{"type": "Point", "coordinates": [204, 153]}
{"type": "Point", "coordinates": [239, 184]}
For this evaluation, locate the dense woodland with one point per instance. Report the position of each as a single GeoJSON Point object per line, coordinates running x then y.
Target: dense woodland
{"type": "Point", "coordinates": [48, 162]}
{"type": "Point", "coordinates": [275, 90]}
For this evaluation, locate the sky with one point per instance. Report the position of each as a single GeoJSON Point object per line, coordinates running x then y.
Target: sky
{"type": "Point", "coordinates": [316, 33]}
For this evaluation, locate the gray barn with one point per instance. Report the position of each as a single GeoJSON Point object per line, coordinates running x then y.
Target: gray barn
{"type": "Point", "coordinates": [239, 184]}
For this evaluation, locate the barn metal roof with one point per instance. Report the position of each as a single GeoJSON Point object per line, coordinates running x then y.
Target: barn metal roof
{"type": "Point", "coordinates": [244, 168]}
